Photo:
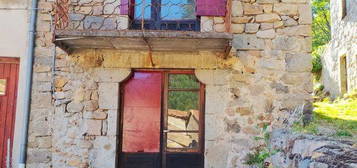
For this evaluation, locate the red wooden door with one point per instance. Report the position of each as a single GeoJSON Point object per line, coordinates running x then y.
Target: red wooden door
{"type": "Point", "coordinates": [9, 70]}
{"type": "Point", "coordinates": [141, 121]}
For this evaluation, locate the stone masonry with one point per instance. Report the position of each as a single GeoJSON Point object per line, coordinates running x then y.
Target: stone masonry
{"type": "Point", "coordinates": [343, 43]}
{"type": "Point", "coordinates": [74, 118]}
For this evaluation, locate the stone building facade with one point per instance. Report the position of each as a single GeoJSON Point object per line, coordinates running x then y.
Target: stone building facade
{"type": "Point", "coordinates": [339, 73]}
{"type": "Point", "coordinates": [76, 99]}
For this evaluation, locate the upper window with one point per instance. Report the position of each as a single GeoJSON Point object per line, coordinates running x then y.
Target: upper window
{"type": "Point", "coordinates": [2, 87]}
{"type": "Point", "coordinates": [165, 15]}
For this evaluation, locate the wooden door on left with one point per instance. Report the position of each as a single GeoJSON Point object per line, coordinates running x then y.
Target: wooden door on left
{"type": "Point", "coordinates": [9, 74]}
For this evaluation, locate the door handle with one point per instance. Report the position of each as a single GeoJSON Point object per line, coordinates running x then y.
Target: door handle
{"type": "Point", "coordinates": [166, 131]}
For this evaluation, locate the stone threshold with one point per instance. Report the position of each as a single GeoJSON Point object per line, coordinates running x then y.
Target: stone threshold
{"type": "Point", "coordinates": [151, 40]}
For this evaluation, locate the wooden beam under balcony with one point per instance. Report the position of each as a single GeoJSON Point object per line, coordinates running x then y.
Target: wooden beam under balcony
{"type": "Point", "coordinates": [144, 40]}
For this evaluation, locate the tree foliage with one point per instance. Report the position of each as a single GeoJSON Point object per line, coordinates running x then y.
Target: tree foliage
{"type": "Point", "coordinates": [321, 25]}
{"type": "Point", "coordinates": [321, 32]}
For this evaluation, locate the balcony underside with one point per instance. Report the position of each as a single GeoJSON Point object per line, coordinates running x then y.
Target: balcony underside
{"type": "Point", "coordinates": [144, 40]}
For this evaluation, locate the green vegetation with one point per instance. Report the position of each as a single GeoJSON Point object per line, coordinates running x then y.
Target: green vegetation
{"type": "Point", "coordinates": [258, 157]}
{"type": "Point", "coordinates": [183, 100]}
{"type": "Point", "coordinates": [321, 32]}
{"type": "Point", "coordinates": [321, 27]}
{"type": "Point", "coordinates": [338, 116]}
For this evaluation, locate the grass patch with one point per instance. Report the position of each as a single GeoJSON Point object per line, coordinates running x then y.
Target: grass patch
{"type": "Point", "coordinates": [339, 116]}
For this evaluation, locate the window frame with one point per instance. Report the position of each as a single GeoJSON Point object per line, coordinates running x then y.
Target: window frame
{"type": "Point", "coordinates": [343, 74]}
{"type": "Point", "coordinates": [201, 108]}
{"type": "Point", "coordinates": [343, 9]}
{"type": "Point", "coordinates": [155, 22]}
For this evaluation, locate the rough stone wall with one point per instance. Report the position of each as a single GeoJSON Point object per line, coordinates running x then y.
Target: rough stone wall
{"type": "Point", "coordinates": [96, 15]}
{"type": "Point", "coordinates": [73, 123]}
{"type": "Point", "coordinates": [343, 42]}
{"type": "Point", "coordinates": [299, 150]}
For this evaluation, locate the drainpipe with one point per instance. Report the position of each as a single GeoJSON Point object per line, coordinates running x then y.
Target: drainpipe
{"type": "Point", "coordinates": [28, 84]}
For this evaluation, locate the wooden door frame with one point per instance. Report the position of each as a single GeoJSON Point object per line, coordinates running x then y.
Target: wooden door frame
{"type": "Point", "coordinates": [164, 92]}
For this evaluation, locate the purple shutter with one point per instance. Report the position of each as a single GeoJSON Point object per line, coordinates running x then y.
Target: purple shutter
{"type": "Point", "coordinates": [211, 7]}
{"type": "Point", "coordinates": [124, 7]}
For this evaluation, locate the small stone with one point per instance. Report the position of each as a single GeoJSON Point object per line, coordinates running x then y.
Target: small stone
{"type": "Point", "coordinates": [39, 156]}
{"type": "Point", "coordinates": [84, 10]}
{"type": "Point", "coordinates": [93, 22]}
{"type": "Point", "coordinates": [94, 95]}
{"type": "Point", "coordinates": [79, 95]}
{"type": "Point", "coordinates": [243, 111]}
{"type": "Point", "coordinates": [280, 88]}
{"type": "Point", "coordinates": [44, 142]}
{"type": "Point", "coordinates": [252, 27]}
{"type": "Point", "coordinates": [247, 41]}
{"type": "Point", "coordinates": [288, 21]}
{"type": "Point", "coordinates": [250, 9]}
{"type": "Point", "coordinates": [91, 105]}
{"type": "Point", "coordinates": [305, 14]}
{"type": "Point", "coordinates": [301, 30]}
{"type": "Point", "coordinates": [108, 95]}
{"type": "Point", "coordinates": [286, 9]}
{"type": "Point", "coordinates": [99, 115]}
{"type": "Point", "coordinates": [76, 16]}
{"type": "Point", "coordinates": [270, 64]}
{"type": "Point", "coordinates": [218, 20]}
{"type": "Point", "coordinates": [85, 144]}
{"type": "Point", "coordinates": [266, 26]}
{"type": "Point", "coordinates": [269, 34]}
{"type": "Point", "coordinates": [42, 68]}
{"type": "Point", "coordinates": [237, 28]}
{"type": "Point", "coordinates": [287, 43]}
{"type": "Point", "coordinates": [267, 8]}
{"type": "Point", "coordinates": [220, 28]}
{"type": "Point", "coordinates": [269, 18]}
{"type": "Point", "coordinates": [244, 19]}
{"type": "Point", "coordinates": [93, 127]}
{"type": "Point", "coordinates": [59, 95]}
{"type": "Point", "coordinates": [237, 8]}
{"type": "Point", "coordinates": [74, 107]}
{"type": "Point", "coordinates": [232, 126]}
{"type": "Point", "coordinates": [298, 62]}
{"type": "Point", "coordinates": [206, 24]}
{"type": "Point", "coordinates": [60, 82]}
{"type": "Point", "coordinates": [97, 10]}
{"type": "Point", "coordinates": [250, 130]}
{"type": "Point", "coordinates": [278, 24]}
{"type": "Point", "coordinates": [74, 162]}
{"type": "Point", "coordinates": [267, 1]}
{"type": "Point", "coordinates": [109, 24]}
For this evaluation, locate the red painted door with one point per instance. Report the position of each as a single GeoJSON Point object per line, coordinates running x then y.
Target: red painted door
{"type": "Point", "coordinates": [9, 70]}
{"type": "Point", "coordinates": [142, 113]}
{"type": "Point", "coordinates": [141, 121]}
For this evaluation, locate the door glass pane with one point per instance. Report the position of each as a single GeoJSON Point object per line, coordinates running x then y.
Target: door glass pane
{"type": "Point", "coordinates": [183, 141]}
{"type": "Point", "coordinates": [183, 111]}
{"type": "Point", "coordinates": [177, 9]}
{"type": "Point", "coordinates": [142, 9]}
{"type": "Point", "coordinates": [183, 81]}
{"type": "Point", "coordinates": [142, 113]}
{"type": "Point", "coordinates": [2, 86]}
